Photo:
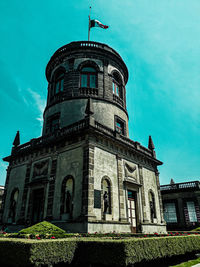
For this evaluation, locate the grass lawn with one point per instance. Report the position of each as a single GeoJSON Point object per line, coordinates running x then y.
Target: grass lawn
{"type": "Point", "coordinates": [188, 263]}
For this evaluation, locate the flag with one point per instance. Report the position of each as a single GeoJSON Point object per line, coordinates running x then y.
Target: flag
{"type": "Point", "coordinates": [96, 23]}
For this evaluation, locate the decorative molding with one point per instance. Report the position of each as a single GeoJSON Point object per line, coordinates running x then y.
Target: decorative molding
{"type": "Point", "coordinates": [130, 171]}
{"type": "Point", "coordinates": [40, 169]}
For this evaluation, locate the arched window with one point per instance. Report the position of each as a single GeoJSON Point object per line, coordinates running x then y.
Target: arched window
{"type": "Point", "coordinates": [152, 206]}
{"type": "Point", "coordinates": [13, 205]}
{"type": "Point", "coordinates": [67, 195]}
{"type": "Point", "coordinates": [117, 85]}
{"type": "Point", "coordinates": [58, 82]}
{"type": "Point", "coordinates": [106, 196]}
{"type": "Point", "coordinates": [88, 77]}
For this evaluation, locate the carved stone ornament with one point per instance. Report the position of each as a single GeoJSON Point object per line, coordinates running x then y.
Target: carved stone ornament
{"type": "Point", "coordinates": [130, 171]}
{"type": "Point", "coordinates": [40, 168]}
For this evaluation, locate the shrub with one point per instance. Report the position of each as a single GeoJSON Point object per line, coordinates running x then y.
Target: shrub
{"type": "Point", "coordinates": [43, 228]}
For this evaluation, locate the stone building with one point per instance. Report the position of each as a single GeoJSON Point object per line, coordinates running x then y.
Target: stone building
{"type": "Point", "coordinates": [181, 204]}
{"type": "Point", "coordinates": [84, 173]}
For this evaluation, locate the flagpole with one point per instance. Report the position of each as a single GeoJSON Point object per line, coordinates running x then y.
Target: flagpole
{"type": "Point", "coordinates": [89, 25]}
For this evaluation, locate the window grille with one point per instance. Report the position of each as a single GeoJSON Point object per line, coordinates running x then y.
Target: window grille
{"type": "Point", "coordinates": [170, 212]}
{"type": "Point", "coordinates": [191, 211]}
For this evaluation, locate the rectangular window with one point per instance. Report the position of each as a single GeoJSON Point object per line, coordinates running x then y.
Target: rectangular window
{"type": "Point", "coordinates": [131, 194]}
{"type": "Point", "coordinates": [57, 87]}
{"type": "Point", "coordinates": [191, 211]}
{"type": "Point", "coordinates": [116, 89]}
{"type": "Point", "coordinates": [92, 81]}
{"type": "Point", "coordinates": [53, 123]}
{"type": "Point", "coordinates": [170, 212]}
{"type": "Point", "coordinates": [61, 85]}
{"type": "Point", "coordinates": [83, 80]}
{"type": "Point", "coordinates": [113, 88]}
{"type": "Point", "coordinates": [119, 126]}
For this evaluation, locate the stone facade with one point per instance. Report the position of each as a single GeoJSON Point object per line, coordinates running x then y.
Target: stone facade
{"type": "Point", "coordinates": [84, 173]}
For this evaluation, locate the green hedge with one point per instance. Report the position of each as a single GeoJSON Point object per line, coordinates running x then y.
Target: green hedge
{"type": "Point", "coordinates": [135, 250]}
{"type": "Point", "coordinates": [21, 252]}
{"type": "Point", "coordinates": [158, 248]}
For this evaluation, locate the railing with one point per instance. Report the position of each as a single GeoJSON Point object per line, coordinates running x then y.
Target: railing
{"type": "Point", "coordinates": [178, 186]}
{"type": "Point", "coordinates": [77, 126]}
{"type": "Point", "coordinates": [82, 44]}
{"type": "Point", "coordinates": [118, 100]}
{"type": "Point", "coordinates": [74, 128]}
{"type": "Point", "coordinates": [136, 145]}
{"type": "Point", "coordinates": [144, 150]}
{"type": "Point", "coordinates": [128, 141]}
{"type": "Point", "coordinates": [104, 129]}
{"type": "Point", "coordinates": [85, 44]}
{"type": "Point", "coordinates": [88, 91]}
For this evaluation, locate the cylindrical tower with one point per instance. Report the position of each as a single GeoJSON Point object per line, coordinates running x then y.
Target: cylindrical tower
{"type": "Point", "coordinates": [80, 70]}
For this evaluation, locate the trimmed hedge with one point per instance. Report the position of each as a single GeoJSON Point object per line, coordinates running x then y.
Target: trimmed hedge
{"type": "Point", "coordinates": [136, 250]}
{"type": "Point", "coordinates": [21, 252]}
{"type": "Point", "coordinates": [157, 248]}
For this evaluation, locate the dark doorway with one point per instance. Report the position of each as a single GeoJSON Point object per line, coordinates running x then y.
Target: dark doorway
{"type": "Point", "coordinates": [132, 210]}
{"type": "Point", "coordinates": [38, 205]}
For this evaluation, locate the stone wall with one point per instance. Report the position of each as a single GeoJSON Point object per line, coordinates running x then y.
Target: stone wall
{"type": "Point", "coordinates": [150, 183]}
{"type": "Point", "coordinates": [69, 162]}
{"type": "Point", "coordinates": [16, 181]}
{"type": "Point", "coordinates": [104, 113]}
{"type": "Point", "coordinates": [105, 165]}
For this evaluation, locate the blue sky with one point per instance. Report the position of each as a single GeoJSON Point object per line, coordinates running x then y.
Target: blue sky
{"type": "Point", "coordinates": [158, 40]}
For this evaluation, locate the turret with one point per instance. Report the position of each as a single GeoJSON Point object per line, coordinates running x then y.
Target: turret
{"type": "Point", "coordinates": [86, 69]}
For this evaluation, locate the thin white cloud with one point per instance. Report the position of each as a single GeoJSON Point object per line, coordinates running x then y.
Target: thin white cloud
{"type": "Point", "coordinates": [3, 167]}
{"type": "Point", "coordinates": [40, 104]}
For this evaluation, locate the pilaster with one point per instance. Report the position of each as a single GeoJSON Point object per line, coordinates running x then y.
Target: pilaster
{"type": "Point", "coordinates": [25, 193]}
{"type": "Point", "coordinates": [142, 193]}
{"type": "Point", "coordinates": [5, 192]}
{"type": "Point", "coordinates": [120, 190]}
{"type": "Point", "coordinates": [51, 190]}
{"type": "Point", "coordinates": [181, 214]}
{"type": "Point", "coordinates": [88, 183]}
{"type": "Point", "coordinates": [159, 197]}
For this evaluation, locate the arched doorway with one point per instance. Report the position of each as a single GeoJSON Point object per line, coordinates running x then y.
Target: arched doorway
{"type": "Point", "coordinates": [67, 196]}
{"type": "Point", "coordinates": [13, 206]}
